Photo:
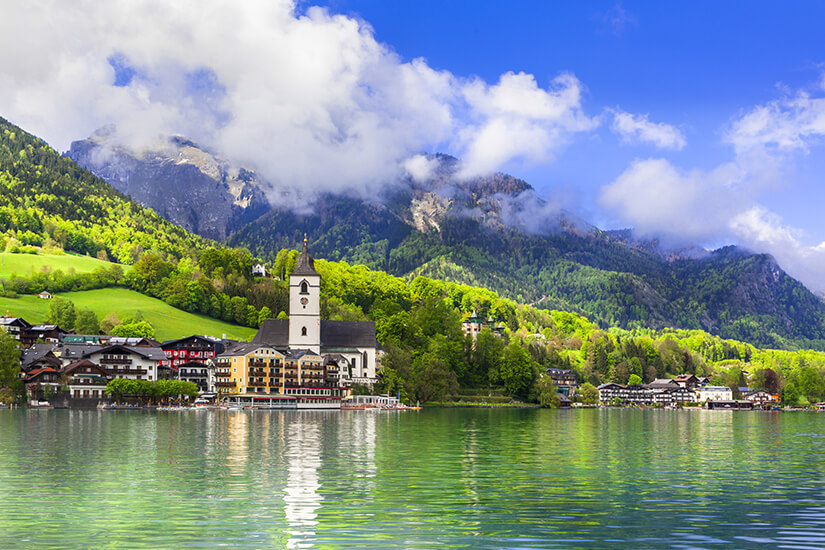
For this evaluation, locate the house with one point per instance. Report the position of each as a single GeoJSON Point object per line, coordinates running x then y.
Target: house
{"type": "Point", "coordinates": [42, 382]}
{"type": "Point", "coordinates": [353, 343]}
{"type": "Point", "coordinates": [259, 270]}
{"type": "Point", "coordinates": [689, 381]}
{"type": "Point", "coordinates": [38, 356]}
{"type": "Point", "coordinates": [194, 348]}
{"type": "Point", "coordinates": [473, 325]}
{"type": "Point", "coordinates": [713, 393]}
{"type": "Point", "coordinates": [760, 397]}
{"type": "Point", "coordinates": [132, 362]}
{"type": "Point", "coordinates": [86, 380]}
{"type": "Point", "coordinates": [14, 325]}
{"type": "Point", "coordinates": [45, 295]}
{"type": "Point", "coordinates": [565, 380]}
{"type": "Point", "coordinates": [45, 333]}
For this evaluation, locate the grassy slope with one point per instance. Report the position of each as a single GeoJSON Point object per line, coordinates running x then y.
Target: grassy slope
{"type": "Point", "coordinates": [168, 321]}
{"type": "Point", "coordinates": [25, 264]}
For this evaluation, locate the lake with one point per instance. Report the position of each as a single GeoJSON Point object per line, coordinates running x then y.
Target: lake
{"type": "Point", "coordinates": [452, 478]}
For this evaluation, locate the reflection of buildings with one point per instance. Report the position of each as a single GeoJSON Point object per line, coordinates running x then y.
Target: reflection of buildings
{"type": "Point", "coordinates": [302, 501]}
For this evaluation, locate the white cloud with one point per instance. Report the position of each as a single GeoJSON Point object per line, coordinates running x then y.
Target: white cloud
{"type": "Point", "coordinates": [515, 119]}
{"type": "Point", "coordinates": [780, 126]}
{"type": "Point", "coordinates": [312, 101]}
{"type": "Point", "coordinates": [420, 168]}
{"type": "Point", "coordinates": [723, 204]}
{"type": "Point", "coordinates": [637, 128]}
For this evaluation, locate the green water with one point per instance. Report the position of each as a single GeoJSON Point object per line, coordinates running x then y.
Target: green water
{"type": "Point", "coordinates": [434, 478]}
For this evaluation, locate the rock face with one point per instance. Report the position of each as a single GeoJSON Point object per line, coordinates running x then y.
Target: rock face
{"type": "Point", "coordinates": [182, 182]}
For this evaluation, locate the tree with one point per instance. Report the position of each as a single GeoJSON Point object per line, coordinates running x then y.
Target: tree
{"type": "Point", "coordinates": [545, 393]}
{"type": "Point", "coordinates": [11, 386]}
{"type": "Point", "coordinates": [87, 322]}
{"type": "Point", "coordinates": [62, 312]}
{"type": "Point", "coordinates": [141, 329]}
{"type": "Point", "coordinates": [589, 393]}
{"type": "Point", "coordinates": [634, 379]}
{"type": "Point", "coordinates": [109, 322]}
{"type": "Point", "coordinates": [516, 370]}
{"type": "Point", "coordinates": [263, 315]}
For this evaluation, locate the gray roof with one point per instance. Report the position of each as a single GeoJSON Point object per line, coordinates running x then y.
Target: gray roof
{"type": "Point", "coordinates": [334, 334]}
{"type": "Point", "coordinates": [664, 383]}
{"type": "Point", "coordinates": [305, 264]}
{"type": "Point", "coordinates": [151, 353]}
{"type": "Point", "coordinates": [35, 353]}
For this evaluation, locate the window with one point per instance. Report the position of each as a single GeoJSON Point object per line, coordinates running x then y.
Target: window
{"type": "Point", "coordinates": [304, 287]}
{"type": "Point", "coordinates": [303, 331]}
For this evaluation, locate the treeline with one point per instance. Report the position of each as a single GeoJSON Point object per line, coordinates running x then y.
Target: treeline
{"type": "Point", "coordinates": [147, 390]}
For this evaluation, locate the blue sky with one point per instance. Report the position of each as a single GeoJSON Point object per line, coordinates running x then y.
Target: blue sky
{"type": "Point", "coordinates": [694, 121]}
{"type": "Point", "coordinates": [695, 65]}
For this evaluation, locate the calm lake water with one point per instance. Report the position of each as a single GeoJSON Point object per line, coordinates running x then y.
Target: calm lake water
{"type": "Point", "coordinates": [434, 478]}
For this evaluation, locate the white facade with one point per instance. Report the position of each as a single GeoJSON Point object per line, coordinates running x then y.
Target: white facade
{"type": "Point", "coordinates": [305, 312]}
{"type": "Point", "coordinates": [713, 393]}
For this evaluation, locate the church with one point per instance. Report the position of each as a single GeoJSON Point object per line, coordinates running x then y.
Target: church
{"type": "Point", "coordinates": [350, 344]}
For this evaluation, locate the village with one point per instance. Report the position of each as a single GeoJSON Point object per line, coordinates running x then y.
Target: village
{"type": "Point", "coordinates": [299, 362]}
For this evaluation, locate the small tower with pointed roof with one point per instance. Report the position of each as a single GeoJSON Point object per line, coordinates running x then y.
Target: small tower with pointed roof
{"type": "Point", "coordinates": [305, 304]}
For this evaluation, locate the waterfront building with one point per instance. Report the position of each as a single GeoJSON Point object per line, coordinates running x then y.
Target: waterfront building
{"type": "Point", "coordinates": [188, 358]}
{"type": "Point", "coordinates": [565, 381]}
{"type": "Point", "coordinates": [86, 380]}
{"type": "Point", "coordinates": [658, 392]}
{"type": "Point", "coordinates": [351, 345]}
{"type": "Point", "coordinates": [760, 397]}
{"type": "Point", "coordinates": [39, 379]}
{"type": "Point", "coordinates": [713, 393]}
{"type": "Point", "coordinates": [131, 362]}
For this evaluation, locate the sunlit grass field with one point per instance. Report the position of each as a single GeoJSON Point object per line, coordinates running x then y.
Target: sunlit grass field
{"type": "Point", "coordinates": [26, 264]}
{"type": "Point", "coordinates": [168, 321]}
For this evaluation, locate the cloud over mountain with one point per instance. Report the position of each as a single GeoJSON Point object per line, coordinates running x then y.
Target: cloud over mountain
{"type": "Point", "coordinates": [311, 99]}
{"type": "Point", "coordinates": [724, 203]}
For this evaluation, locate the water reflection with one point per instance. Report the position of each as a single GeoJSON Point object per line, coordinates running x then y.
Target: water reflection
{"type": "Point", "coordinates": [470, 479]}
{"type": "Point", "coordinates": [303, 460]}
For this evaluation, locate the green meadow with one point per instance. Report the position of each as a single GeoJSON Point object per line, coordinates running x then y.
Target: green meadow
{"type": "Point", "coordinates": [26, 264]}
{"type": "Point", "coordinates": [169, 322]}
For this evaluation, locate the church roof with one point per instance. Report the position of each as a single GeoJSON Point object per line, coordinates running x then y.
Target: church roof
{"type": "Point", "coordinates": [334, 334]}
{"type": "Point", "coordinates": [305, 264]}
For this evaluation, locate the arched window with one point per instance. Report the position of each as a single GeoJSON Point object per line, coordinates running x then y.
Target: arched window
{"type": "Point", "coordinates": [303, 331]}
{"type": "Point", "coordinates": [304, 287]}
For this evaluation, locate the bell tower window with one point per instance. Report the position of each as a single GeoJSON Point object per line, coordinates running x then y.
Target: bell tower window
{"type": "Point", "coordinates": [303, 331]}
{"type": "Point", "coordinates": [304, 287]}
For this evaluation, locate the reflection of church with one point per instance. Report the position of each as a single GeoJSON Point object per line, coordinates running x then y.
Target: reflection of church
{"type": "Point", "coordinates": [349, 344]}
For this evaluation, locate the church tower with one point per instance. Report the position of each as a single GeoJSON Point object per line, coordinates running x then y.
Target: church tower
{"type": "Point", "coordinates": [305, 304]}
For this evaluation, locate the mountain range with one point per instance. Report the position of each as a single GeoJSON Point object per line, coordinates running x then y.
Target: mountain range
{"type": "Point", "coordinates": [492, 231]}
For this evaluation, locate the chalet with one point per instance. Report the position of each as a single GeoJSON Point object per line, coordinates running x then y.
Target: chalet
{"type": "Point", "coordinates": [45, 295]}
{"type": "Point", "coordinates": [15, 326]}
{"type": "Point", "coordinates": [689, 381]}
{"type": "Point", "coordinates": [45, 333]}
{"type": "Point", "coordinates": [39, 379]}
{"type": "Point", "coordinates": [38, 356]}
{"type": "Point", "coordinates": [473, 325]}
{"type": "Point", "coordinates": [565, 380]}
{"type": "Point", "coordinates": [86, 380]}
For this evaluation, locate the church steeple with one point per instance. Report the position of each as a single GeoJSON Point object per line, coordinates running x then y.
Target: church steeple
{"type": "Point", "coordinates": [305, 263]}
{"type": "Point", "coordinates": [305, 303]}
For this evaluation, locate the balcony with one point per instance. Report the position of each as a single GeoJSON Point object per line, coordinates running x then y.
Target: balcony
{"type": "Point", "coordinates": [256, 384]}
{"type": "Point", "coordinates": [115, 370]}
{"type": "Point", "coordinates": [113, 361]}
{"type": "Point", "coordinates": [225, 384]}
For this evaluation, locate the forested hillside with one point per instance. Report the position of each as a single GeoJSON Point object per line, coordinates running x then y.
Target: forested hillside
{"type": "Point", "coordinates": [465, 233]}
{"type": "Point", "coordinates": [47, 200]}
